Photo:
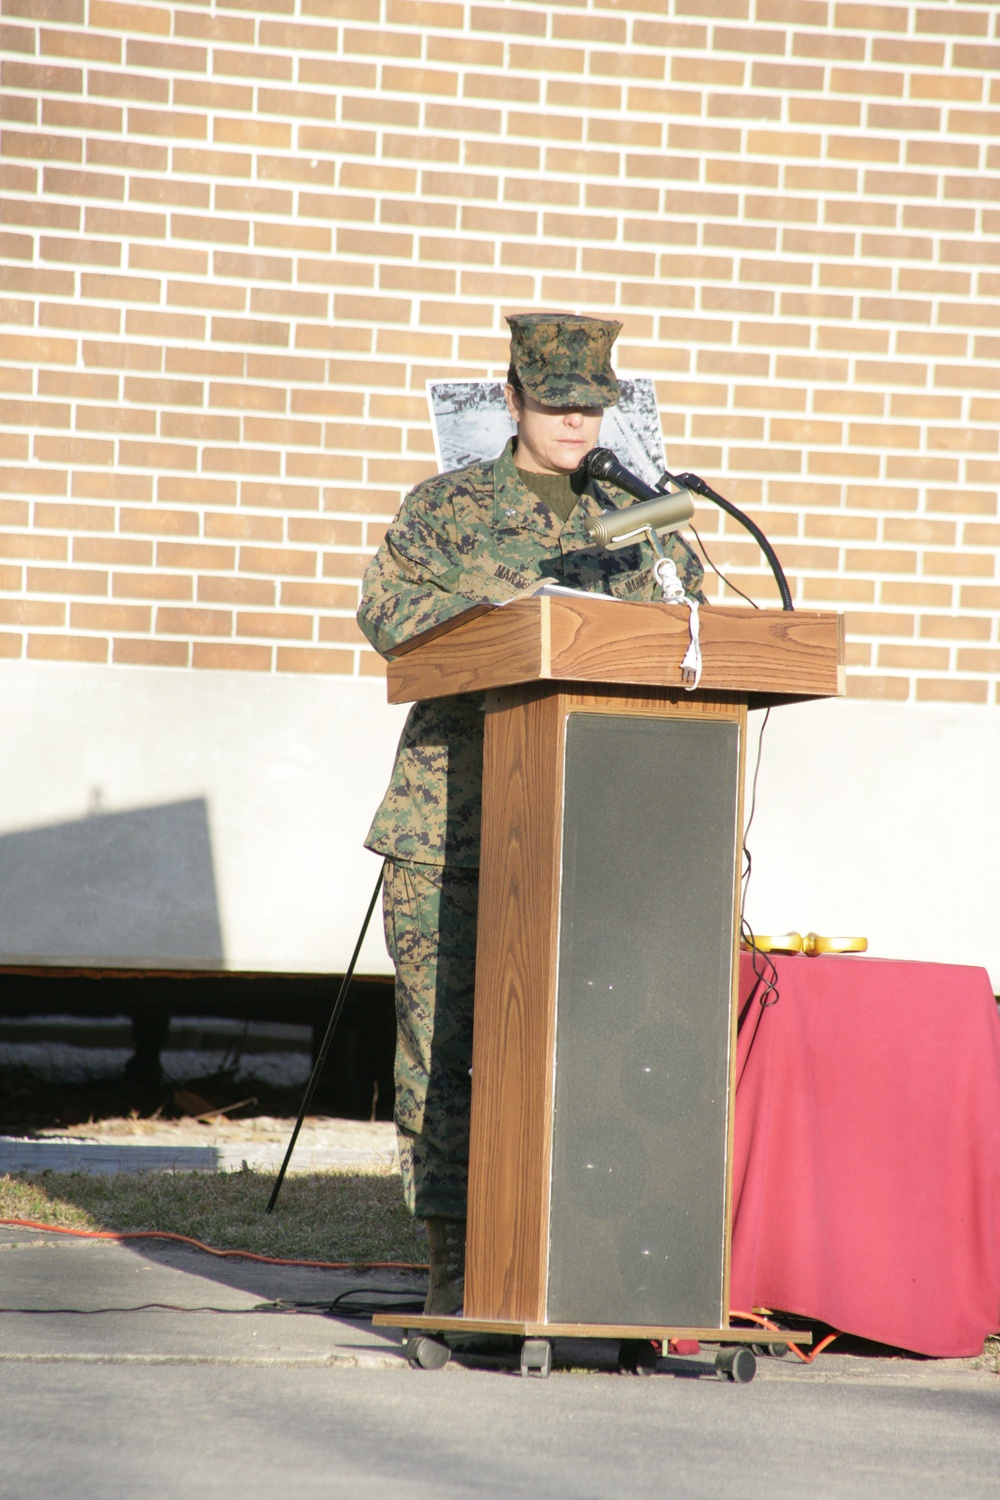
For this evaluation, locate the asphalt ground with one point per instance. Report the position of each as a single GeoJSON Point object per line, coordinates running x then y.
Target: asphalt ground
{"type": "Point", "coordinates": [102, 1395]}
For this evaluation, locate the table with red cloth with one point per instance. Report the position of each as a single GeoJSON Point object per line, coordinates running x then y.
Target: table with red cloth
{"type": "Point", "coordinates": [866, 1170]}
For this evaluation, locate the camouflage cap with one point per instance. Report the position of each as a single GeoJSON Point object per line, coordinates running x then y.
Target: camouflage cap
{"type": "Point", "coordinates": [564, 360]}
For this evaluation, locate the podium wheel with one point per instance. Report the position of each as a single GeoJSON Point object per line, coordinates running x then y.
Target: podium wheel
{"type": "Point", "coordinates": [425, 1353]}
{"type": "Point", "coordinates": [637, 1356]}
{"type": "Point", "coordinates": [775, 1351]}
{"type": "Point", "coordinates": [536, 1358]}
{"type": "Point", "coordinates": [737, 1364]}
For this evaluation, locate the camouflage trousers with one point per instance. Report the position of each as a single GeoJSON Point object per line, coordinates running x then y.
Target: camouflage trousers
{"type": "Point", "coordinates": [430, 932]}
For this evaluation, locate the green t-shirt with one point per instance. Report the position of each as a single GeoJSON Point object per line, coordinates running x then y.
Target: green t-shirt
{"type": "Point", "coordinates": [555, 489]}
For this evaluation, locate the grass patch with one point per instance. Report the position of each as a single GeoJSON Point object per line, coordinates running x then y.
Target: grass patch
{"type": "Point", "coordinates": [335, 1215]}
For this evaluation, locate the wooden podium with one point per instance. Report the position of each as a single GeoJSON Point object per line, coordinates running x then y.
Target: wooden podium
{"type": "Point", "coordinates": [602, 1107]}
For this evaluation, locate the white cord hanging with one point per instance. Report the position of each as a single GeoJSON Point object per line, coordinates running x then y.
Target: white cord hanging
{"type": "Point", "coordinates": [665, 573]}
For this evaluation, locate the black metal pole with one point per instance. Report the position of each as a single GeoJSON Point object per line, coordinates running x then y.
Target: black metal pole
{"type": "Point", "coordinates": [324, 1049]}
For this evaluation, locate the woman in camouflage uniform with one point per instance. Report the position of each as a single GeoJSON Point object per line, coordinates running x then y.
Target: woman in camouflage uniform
{"type": "Point", "coordinates": [485, 532]}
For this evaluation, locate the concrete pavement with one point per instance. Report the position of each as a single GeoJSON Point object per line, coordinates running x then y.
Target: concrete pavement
{"type": "Point", "coordinates": [241, 1403]}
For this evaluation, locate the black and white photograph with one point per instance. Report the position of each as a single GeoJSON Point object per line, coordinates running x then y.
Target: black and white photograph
{"type": "Point", "coordinates": [471, 422]}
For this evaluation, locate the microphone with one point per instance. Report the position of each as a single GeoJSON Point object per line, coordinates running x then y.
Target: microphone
{"type": "Point", "coordinates": [601, 463]}
{"type": "Point", "coordinates": [661, 512]}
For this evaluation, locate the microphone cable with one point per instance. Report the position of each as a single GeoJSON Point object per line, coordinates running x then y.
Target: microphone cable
{"type": "Point", "coordinates": [715, 567]}
{"type": "Point", "coordinates": [693, 482]}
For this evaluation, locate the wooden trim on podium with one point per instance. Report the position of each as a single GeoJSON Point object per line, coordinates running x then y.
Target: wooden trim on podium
{"type": "Point", "coordinates": [511, 1129]}
{"type": "Point", "coordinates": [531, 1328]}
{"type": "Point", "coordinates": [596, 639]}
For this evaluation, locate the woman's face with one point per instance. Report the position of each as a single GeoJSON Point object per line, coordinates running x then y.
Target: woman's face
{"type": "Point", "coordinates": [551, 439]}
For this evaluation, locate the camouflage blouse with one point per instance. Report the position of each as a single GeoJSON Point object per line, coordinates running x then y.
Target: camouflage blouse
{"type": "Point", "coordinates": [472, 535]}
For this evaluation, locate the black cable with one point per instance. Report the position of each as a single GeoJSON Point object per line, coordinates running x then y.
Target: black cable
{"type": "Point", "coordinates": [753, 806]}
{"type": "Point", "coordinates": [718, 571]}
{"type": "Point", "coordinates": [693, 482]}
{"type": "Point", "coordinates": [759, 961]}
{"type": "Point", "coordinates": [765, 971]}
{"type": "Point", "coordinates": [395, 1300]}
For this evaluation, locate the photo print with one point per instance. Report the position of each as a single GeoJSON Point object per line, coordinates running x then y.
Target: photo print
{"type": "Point", "coordinates": [471, 422]}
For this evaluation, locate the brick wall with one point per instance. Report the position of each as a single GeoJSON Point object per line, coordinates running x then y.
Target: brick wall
{"type": "Point", "coordinates": [237, 238]}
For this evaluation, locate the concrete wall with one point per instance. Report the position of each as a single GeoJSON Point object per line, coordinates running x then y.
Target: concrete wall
{"type": "Point", "coordinates": [188, 820]}
{"type": "Point", "coordinates": [881, 819]}
{"type": "Point", "coordinates": [215, 820]}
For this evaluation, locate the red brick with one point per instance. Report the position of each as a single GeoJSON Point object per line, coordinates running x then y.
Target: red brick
{"type": "Point", "coordinates": [231, 658]}
{"type": "Point", "coordinates": [112, 552]}
{"type": "Point", "coordinates": [314, 659]}
{"type": "Point", "coordinates": [176, 124]}
{"type": "Point", "coordinates": [112, 485]}
{"type": "Point", "coordinates": [250, 331]}
{"type": "Point", "coordinates": [126, 617]}
{"type": "Point", "coordinates": [67, 581]}
{"type": "Point", "coordinates": [883, 497]}
{"type": "Point", "coordinates": [948, 690]}
{"type": "Point", "coordinates": [972, 597]}
{"type": "Point", "coordinates": [84, 251]}
{"type": "Point", "coordinates": [151, 586]}
{"type": "Point", "coordinates": [74, 517]}
{"type": "Point", "coordinates": [191, 621]}
{"type": "Point", "coordinates": [32, 413]}
{"type": "Point", "coordinates": [67, 648]}
{"type": "Point", "coordinates": [213, 294]}
{"type": "Point", "coordinates": [319, 595]}
{"type": "Point", "coordinates": [256, 63]}
{"type": "Point", "coordinates": [170, 57]}
{"type": "Point", "coordinates": [279, 496]}
{"type": "Point", "coordinates": [236, 591]}
{"type": "Point", "coordinates": [46, 214]}
{"type": "Point", "coordinates": [158, 520]}
{"type": "Point", "coordinates": [914, 658]}
{"type": "Point", "coordinates": [75, 450]}
{"type": "Point", "coordinates": [151, 324]}
{"type": "Point", "coordinates": [769, 398]}
{"type": "Point", "coordinates": [140, 653]}
{"type": "Point", "coordinates": [154, 455]}
{"type": "Point", "coordinates": [396, 112]}
{"type": "Point", "coordinates": [241, 460]}
{"type": "Point", "coordinates": [32, 612]}
{"type": "Point", "coordinates": [280, 626]}
{"type": "Point", "coordinates": [928, 469]}
{"type": "Point", "coordinates": [281, 561]}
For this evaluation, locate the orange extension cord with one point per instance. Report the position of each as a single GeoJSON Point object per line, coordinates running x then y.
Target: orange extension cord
{"type": "Point", "coordinates": [327, 1265]}
{"type": "Point", "coordinates": [185, 1239]}
{"type": "Point", "coordinates": [806, 1359]}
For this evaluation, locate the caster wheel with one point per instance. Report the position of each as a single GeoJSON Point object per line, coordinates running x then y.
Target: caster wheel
{"type": "Point", "coordinates": [737, 1364]}
{"type": "Point", "coordinates": [536, 1358]}
{"type": "Point", "coordinates": [637, 1356]}
{"type": "Point", "coordinates": [772, 1351]}
{"type": "Point", "coordinates": [426, 1353]}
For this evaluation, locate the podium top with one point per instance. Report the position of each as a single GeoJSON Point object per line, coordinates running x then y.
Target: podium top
{"type": "Point", "coordinates": [765, 655]}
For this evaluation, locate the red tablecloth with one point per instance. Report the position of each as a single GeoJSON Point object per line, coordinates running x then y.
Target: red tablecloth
{"type": "Point", "coordinates": [866, 1185]}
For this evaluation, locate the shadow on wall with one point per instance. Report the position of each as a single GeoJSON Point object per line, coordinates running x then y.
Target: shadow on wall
{"type": "Point", "coordinates": [131, 890]}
